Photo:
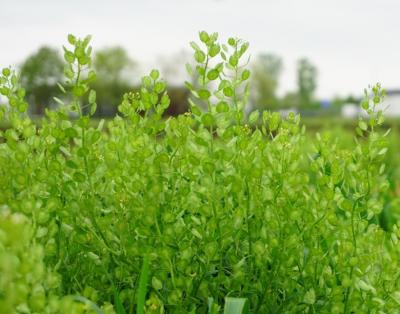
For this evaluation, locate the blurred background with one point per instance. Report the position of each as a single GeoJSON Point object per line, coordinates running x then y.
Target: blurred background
{"type": "Point", "coordinates": [309, 56]}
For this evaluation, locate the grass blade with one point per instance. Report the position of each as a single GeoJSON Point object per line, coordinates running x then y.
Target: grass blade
{"type": "Point", "coordinates": [142, 290]}
{"type": "Point", "coordinates": [119, 307]}
{"type": "Point", "coordinates": [213, 308]}
{"type": "Point", "coordinates": [236, 306]}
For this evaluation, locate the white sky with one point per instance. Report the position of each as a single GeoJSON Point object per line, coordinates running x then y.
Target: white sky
{"type": "Point", "coordinates": [352, 42]}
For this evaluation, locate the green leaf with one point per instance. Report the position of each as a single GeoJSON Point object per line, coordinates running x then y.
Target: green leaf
{"type": "Point", "coordinates": [204, 37]}
{"type": "Point", "coordinates": [199, 56]}
{"type": "Point", "coordinates": [79, 52]}
{"type": "Point", "coordinates": [69, 73]}
{"type": "Point", "coordinates": [159, 87]}
{"type": "Point", "coordinates": [62, 89]}
{"type": "Point", "coordinates": [223, 56]}
{"type": "Point", "coordinates": [14, 80]}
{"type": "Point", "coordinates": [194, 109]}
{"type": "Point", "coordinates": [93, 108]}
{"type": "Point", "coordinates": [362, 125]}
{"type": "Point", "coordinates": [165, 101]}
{"type": "Point", "coordinates": [6, 72]}
{"type": "Point", "coordinates": [154, 74]}
{"type": "Point", "coordinates": [204, 94]}
{"type": "Point", "coordinates": [71, 164]}
{"type": "Point", "coordinates": [156, 283]}
{"type": "Point", "coordinates": [87, 40]}
{"type": "Point", "coordinates": [22, 106]}
{"type": "Point", "coordinates": [189, 69]}
{"type": "Point", "coordinates": [222, 106]}
{"type": "Point", "coordinates": [153, 99]}
{"type": "Point", "coordinates": [83, 151]}
{"type": "Point", "coordinates": [254, 116]}
{"type": "Point", "coordinates": [244, 48]}
{"type": "Point", "coordinates": [228, 91]}
{"type": "Point", "coordinates": [200, 141]}
{"type": "Point", "coordinates": [365, 104]}
{"type": "Point", "coordinates": [4, 91]}
{"type": "Point", "coordinates": [214, 50]}
{"type": "Point", "coordinates": [309, 297]}
{"type": "Point", "coordinates": [71, 132]}
{"type": "Point", "coordinates": [79, 177]}
{"type": "Point", "coordinates": [71, 39]}
{"type": "Point", "coordinates": [207, 119]}
{"type": "Point", "coordinates": [212, 74]}
{"type": "Point", "coordinates": [236, 306]}
{"type": "Point", "coordinates": [78, 91]}
{"type": "Point", "coordinates": [194, 46]}
{"type": "Point", "coordinates": [69, 56]}
{"type": "Point", "coordinates": [92, 96]}
{"type": "Point", "coordinates": [146, 81]}
{"type": "Point", "coordinates": [83, 60]}
{"type": "Point", "coordinates": [383, 151]}
{"type": "Point", "coordinates": [59, 101]}
{"type": "Point", "coordinates": [233, 61]}
{"type": "Point", "coordinates": [245, 75]}
{"type": "Point", "coordinates": [21, 93]}
{"type": "Point", "coordinates": [196, 233]}
{"type": "Point", "coordinates": [91, 76]}
{"type": "Point", "coordinates": [88, 303]}
{"type": "Point", "coordinates": [366, 286]}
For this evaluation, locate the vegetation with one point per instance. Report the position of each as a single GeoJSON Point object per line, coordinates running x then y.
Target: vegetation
{"type": "Point", "coordinates": [114, 71]}
{"type": "Point", "coordinates": [266, 71]}
{"type": "Point", "coordinates": [193, 213]}
{"type": "Point", "coordinates": [307, 82]}
{"type": "Point", "coordinates": [40, 73]}
{"type": "Point", "coordinates": [117, 74]}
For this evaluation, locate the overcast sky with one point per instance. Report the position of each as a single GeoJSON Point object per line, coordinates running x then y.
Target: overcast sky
{"type": "Point", "coordinates": [352, 42]}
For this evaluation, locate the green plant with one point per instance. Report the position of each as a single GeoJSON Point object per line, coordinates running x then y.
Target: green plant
{"type": "Point", "coordinates": [161, 215]}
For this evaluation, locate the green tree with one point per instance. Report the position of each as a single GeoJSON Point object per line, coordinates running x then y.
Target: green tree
{"type": "Point", "coordinates": [40, 73]}
{"type": "Point", "coordinates": [114, 70]}
{"type": "Point", "coordinates": [307, 82]}
{"type": "Point", "coordinates": [266, 71]}
{"type": "Point", "coordinates": [290, 100]}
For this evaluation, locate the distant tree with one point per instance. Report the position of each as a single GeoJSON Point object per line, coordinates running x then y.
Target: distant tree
{"type": "Point", "coordinates": [266, 71]}
{"type": "Point", "coordinates": [290, 100]}
{"type": "Point", "coordinates": [113, 64]}
{"type": "Point", "coordinates": [114, 70]}
{"type": "Point", "coordinates": [307, 82]}
{"type": "Point", "coordinates": [40, 73]}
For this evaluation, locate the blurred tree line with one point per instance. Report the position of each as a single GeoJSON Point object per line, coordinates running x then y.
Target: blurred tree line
{"type": "Point", "coordinates": [41, 72]}
{"type": "Point", "coordinates": [266, 72]}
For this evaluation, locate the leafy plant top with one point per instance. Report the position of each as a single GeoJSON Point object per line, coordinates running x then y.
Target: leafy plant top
{"type": "Point", "coordinates": [151, 215]}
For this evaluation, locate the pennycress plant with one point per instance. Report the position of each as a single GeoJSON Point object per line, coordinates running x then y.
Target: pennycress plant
{"type": "Point", "coordinates": [172, 215]}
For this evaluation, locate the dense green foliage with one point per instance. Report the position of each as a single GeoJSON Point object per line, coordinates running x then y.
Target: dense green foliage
{"type": "Point", "coordinates": [173, 216]}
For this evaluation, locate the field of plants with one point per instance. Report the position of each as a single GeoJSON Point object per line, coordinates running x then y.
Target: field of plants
{"type": "Point", "coordinates": [213, 211]}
